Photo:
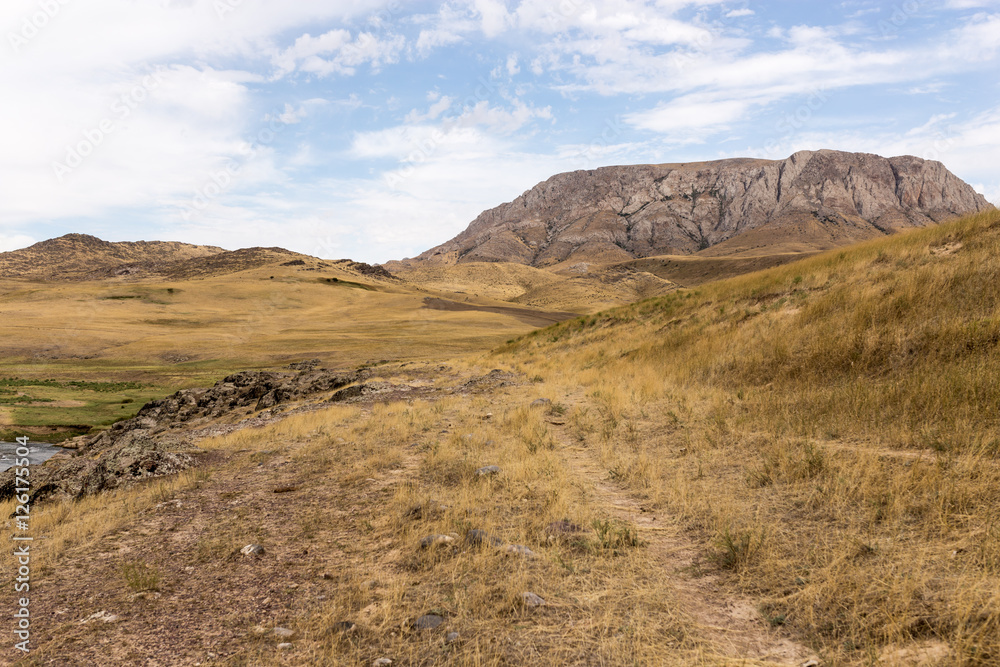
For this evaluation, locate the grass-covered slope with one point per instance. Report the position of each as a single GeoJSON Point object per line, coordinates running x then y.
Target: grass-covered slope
{"type": "Point", "coordinates": [831, 429]}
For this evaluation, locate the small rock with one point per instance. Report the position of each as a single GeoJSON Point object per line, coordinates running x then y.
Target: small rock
{"type": "Point", "coordinates": [451, 638]}
{"type": "Point", "coordinates": [519, 550]}
{"type": "Point", "coordinates": [425, 510]}
{"type": "Point", "coordinates": [382, 662]}
{"type": "Point", "coordinates": [436, 541]}
{"type": "Point", "coordinates": [541, 403]}
{"type": "Point", "coordinates": [284, 633]}
{"type": "Point", "coordinates": [252, 551]}
{"type": "Point", "coordinates": [326, 575]}
{"type": "Point", "coordinates": [285, 646]}
{"type": "Point", "coordinates": [344, 627]}
{"type": "Point", "coordinates": [486, 471]}
{"type": "Point", "coordinates": [102, 616]}
{"type": "Point", "coordinates": [478, 538]}
{"type": "Point", "coordinates": [428, 622]}
{"type": "Point", "coordinates": [532, 600]}
{"type": "Point", "coordinates": [562, 527]}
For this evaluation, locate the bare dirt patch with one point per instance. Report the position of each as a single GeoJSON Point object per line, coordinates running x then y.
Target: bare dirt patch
{"type": "Point", "coordinates": [528, 316]}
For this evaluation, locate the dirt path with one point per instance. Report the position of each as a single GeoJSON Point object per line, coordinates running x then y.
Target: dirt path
{"type": "Point", "coordinates": [731, 625]}
{"type": "Point", "coordinates": [537, 318]}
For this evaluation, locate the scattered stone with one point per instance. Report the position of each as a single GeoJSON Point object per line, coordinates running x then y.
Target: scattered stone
{"type": "Point", "coordinates": [284, 633]}
{"type": "Point", "coordinates": [562, 527]}
{"type": "Point", "coordinates": [428, 622]}
{"type": "Point", "coordinates": [169, 503]}
{"type": "Point", "coordinates": [285, 646]}
{"type": "Point", "coordinates": [286, 489]}
{"type": "Point", "coordinates": [812, 662]}
{"type": "Point", "coordinates": [519, 550]}
{"type": "Point", "coordinates": [451, 638]}
{"type": "Point", "coordinates": [532, 600]}
{"type": "Point", "coordinates": [480, 538]}
{"type": "Point", "coordinates": [304, 365]}
{"type": "Point", "coordinates": [488, 471]}
{"type": "Point", "coordinates": [436, 541]}
{"type": "Point", "coordinates": [344, 627]}
{"type": "Point", "coordinates": [326, 575]}
{"type": "Point", "coordinates": [252, 551]}
{"type": "Point", "coordinates": [382, 662]}
{"type": "Point", "coordinates": [102, 616]}
{"type": "Point", "coordinates": [541, 403]}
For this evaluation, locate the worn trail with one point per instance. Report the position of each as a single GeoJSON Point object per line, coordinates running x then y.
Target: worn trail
{"type": "Point", "coordinates": [731, 625]}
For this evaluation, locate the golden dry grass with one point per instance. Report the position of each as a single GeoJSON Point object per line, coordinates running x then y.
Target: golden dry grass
{"type": "Point", "coordinates": [823, 436]}
{"type": "Point", "coordinates": [829, 428]}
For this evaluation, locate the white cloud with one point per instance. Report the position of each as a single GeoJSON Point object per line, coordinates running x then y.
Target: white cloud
{"type": "Point", "coordinates": [81, 84]}
{"type": "Point", "coordinates": [687, 118]}
{"type": "Point", "coordinates": [738, 13]}
{"type": "Point", "coordinates": [14, 241]}
{"type": "Point", "coordinates": [494, 17]}
{"type": "Point", "coordinates": [971, 4]}
{"type": "Point", "coordinates": [476, 127]}
{"type": "Point", "coordinates": [336, 52]}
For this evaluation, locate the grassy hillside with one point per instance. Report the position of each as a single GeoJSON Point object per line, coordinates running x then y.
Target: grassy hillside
{"type": "Point", "coordinates": [831, 429]}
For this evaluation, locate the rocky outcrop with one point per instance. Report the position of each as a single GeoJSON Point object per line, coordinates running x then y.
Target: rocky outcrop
{"type": "Point", "coordinates": [825, 197]}
{"type": "Point", "coordinates": [146, 445]}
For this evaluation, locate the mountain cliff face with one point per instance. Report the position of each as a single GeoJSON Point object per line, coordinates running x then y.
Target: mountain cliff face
{"type": "Point", "coordinates": [813, 200]}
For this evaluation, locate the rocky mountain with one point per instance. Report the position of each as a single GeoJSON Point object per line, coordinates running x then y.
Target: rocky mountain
{"type": "Point", "coordinates": [814, 200]}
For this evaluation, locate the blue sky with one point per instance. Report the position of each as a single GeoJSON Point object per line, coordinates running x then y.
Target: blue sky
{"type": "Point", "coordinates": [375, 130]}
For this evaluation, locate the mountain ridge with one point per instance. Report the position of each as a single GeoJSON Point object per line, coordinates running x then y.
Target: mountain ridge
{"type": "Point", "coordinates": [822, 199]}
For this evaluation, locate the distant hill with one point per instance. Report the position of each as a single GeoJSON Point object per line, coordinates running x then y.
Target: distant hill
{"type": "Point", "coordinates": [812, 201]}
{"type": "Point", "coordinates": [83, 257]}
